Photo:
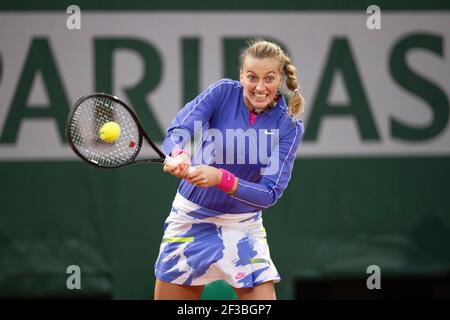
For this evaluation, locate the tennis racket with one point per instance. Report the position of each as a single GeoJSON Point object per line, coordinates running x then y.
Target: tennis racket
{"type": "Point", "coordinates": [87, 117]}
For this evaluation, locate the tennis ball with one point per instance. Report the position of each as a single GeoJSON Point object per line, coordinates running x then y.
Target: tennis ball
{"type": "Point", "coordinates": [110, 132]}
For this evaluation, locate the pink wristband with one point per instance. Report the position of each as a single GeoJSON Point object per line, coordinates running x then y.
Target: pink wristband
{"type": "Point", "coordinates": [226, 184]}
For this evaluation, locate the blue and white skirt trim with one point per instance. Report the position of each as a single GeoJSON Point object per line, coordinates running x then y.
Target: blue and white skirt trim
{"type": "Point", "coordinates": [200, 246]}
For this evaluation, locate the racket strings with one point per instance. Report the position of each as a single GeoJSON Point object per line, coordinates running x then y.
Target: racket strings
{"type": "Point", "coordinates": [85, 125]}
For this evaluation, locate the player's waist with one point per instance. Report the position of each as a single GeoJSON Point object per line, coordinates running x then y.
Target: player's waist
{"type": "Point", "coordinates": [189, 206]}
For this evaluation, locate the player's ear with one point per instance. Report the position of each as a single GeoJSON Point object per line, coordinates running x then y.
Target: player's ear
{"type": "Point", "coordinates": [241, 77]}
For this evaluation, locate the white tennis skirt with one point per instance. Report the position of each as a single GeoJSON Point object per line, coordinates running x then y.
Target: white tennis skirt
{"type": "Point", "coordinates": [200, 246]}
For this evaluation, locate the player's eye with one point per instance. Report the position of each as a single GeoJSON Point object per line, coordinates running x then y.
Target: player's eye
{"type": "Point", "coordinates": [251, 78]}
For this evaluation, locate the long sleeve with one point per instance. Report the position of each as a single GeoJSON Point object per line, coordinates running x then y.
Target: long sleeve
{"type": "Point", "coordinates": [271, 186]}
{"type": "Point", "coordinates": [197, 111]}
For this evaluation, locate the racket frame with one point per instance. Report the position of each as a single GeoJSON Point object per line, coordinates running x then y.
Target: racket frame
{"type": "Point", "coordinates": [142, 133]}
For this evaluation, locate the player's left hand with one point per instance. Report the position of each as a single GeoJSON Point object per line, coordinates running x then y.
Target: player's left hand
{"type": "Point", "coordinates": [204, 176]}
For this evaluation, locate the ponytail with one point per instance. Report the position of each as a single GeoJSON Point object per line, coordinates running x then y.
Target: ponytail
{"type": "Point", "coordinates": [296, 100]}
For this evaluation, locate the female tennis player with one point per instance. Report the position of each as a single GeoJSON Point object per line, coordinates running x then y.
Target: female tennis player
{"type": "Point", "coordinates": [215, 228]}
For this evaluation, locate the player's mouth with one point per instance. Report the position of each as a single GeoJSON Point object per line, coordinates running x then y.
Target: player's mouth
{"type": "Point", "coordinates": [260, 95]}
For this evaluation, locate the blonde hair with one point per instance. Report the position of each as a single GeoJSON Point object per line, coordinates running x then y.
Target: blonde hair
{"type": "Point", "coordinates": [290, 86]}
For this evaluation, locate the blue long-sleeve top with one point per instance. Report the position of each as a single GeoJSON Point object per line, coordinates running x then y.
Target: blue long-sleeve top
{"type": "Point", "coordinates": [260, 155]}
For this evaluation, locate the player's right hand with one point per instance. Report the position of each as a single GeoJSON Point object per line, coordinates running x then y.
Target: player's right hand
{"type": "Point", "coordinates": [181, 170]}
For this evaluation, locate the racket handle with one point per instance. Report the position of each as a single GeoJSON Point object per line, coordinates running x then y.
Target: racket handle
{"type": "Point", "coordinates": [174, 162]}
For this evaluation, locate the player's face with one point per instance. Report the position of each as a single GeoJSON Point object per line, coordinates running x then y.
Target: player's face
{"type": "Point", "coordinates": [261, 79]}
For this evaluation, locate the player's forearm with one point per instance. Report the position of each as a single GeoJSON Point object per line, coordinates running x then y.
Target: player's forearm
{"type": "Point", "coordinates": [258, 195]}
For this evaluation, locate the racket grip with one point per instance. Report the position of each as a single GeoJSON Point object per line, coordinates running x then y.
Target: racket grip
{"type": "Point", "coordinates": [174, 162]}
